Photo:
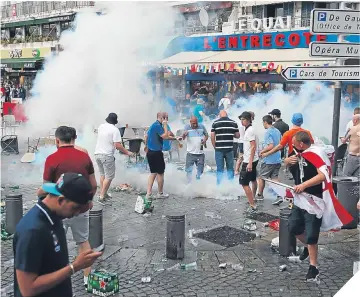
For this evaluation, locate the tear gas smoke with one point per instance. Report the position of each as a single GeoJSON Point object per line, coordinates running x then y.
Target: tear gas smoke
{"type": "Point", "coordinates": [101, 68]}
{"type": "Point", "coordinates": [100, 71]}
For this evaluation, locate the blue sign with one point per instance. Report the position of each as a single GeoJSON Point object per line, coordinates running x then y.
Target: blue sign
{"type": "Point", "coordinates": [293, 73]}
{"type": "Point", "coordinates": [251, 41]}
{"type": "Point", "coordinates": [322, 17]}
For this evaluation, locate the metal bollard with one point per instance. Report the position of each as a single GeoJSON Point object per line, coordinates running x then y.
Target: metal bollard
{"type": "Point", "coordinates": [175, 237]}
{"type": "Point", "coordinates": [348, 195]}
{"type": "Point", "coordinates": [287, 241]}
{"type": "Point", "coordinates": [96, 228]}
{"type": "Point", "coordinates": [14, 211]}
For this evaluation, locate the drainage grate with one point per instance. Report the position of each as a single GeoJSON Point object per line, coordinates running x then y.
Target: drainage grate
{"type": "Point", "coordinates": [226, 236]}
{"type": "Point", "coordinates": [262, 217]}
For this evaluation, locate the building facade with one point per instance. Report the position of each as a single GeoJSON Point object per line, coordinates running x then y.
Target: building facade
{"type": "Point", "coordinates": [249, 47]}
{"type": "Point", "coordinates": [30, 30]}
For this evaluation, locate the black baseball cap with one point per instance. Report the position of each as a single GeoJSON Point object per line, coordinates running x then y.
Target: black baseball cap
{"type": "Point", "coordinates": [112, 118]}
{"type": "Point", "coordinates": [73, 186]}
{"type": "Point", "coordinates": [276, 112]}
{"type": "Point", "coordinates": [245, 115]}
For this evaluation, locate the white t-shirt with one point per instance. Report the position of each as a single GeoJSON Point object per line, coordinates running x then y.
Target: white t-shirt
{"type": "Point", "coordinates": [349, 126]}
{"type": "Point", "coordinates": [194, 138]}
{"type": "Point", "coordinates": [250, 136]}
{"type": "Point", "coordinates": [226, 102]}
{"type": "Point", "coordinates": [108, 134]}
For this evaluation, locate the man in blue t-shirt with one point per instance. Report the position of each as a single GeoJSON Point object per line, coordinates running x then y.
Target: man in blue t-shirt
{"type": "Point", "coordinates": [199, 110]}
{"type": "Point", "coordinates": [154, 141]}
{"type": "Point", "coordinates": [270, 165]}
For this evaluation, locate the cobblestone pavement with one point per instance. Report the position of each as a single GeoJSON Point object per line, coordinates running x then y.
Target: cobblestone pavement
{"type": "Point", "coordinates": [135, 247]}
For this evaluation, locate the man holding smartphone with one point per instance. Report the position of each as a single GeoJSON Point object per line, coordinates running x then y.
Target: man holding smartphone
{"type": "Point", "coordinates": [41, 257]}
{"type": "Point", "coordinates": [154, 141]}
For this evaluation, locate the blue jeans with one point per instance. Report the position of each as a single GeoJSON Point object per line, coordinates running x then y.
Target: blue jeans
{"type": "Point", "coordinates": [229, 160]}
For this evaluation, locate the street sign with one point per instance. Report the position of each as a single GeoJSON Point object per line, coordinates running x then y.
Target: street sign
{"type": "Point", "coordinates": [335, 21]}
{"type": "Point", "coordinates": [331, 73]}
{"type": "Point", "coordinates": [334, 49]}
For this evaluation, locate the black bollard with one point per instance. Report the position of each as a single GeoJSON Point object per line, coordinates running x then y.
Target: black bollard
{"type": "Point", "coordinates": [14, 211]}
{"type": "Point", "coordinates": [287, 241]}
{"type": "Point", "coordinates": [175, 237]}
{"type": "Point", "coordinates": [96, 228]}
{"type": "Point", "coordinates": [348, 195]}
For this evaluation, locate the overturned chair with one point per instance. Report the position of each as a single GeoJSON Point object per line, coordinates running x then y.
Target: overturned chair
{"type": "Point", "coordinates": [134, 146]}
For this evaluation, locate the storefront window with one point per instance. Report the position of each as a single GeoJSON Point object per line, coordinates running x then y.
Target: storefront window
{"type": "Point", "coordinates": [288, 9]}
{"type": "Point", "coordinates": [257, 12]}
{"type": "Point", "coordinates": [65, 26]}
{"type": "Point", "coordinates": [306, 8]}
{"type": "Point", "coordinates": [49, 30]}
{"type": "Point", "coordinates": [34, 30]}
{"type": "Point", "coordinates": [4, 35]}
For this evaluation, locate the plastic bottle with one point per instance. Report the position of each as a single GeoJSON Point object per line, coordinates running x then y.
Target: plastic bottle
{"type": "Point", "coordinates": [190, 266]}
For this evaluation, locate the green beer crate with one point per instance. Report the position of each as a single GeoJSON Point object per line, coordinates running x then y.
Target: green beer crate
{"type": "Point", "coordinates": [103, 283]}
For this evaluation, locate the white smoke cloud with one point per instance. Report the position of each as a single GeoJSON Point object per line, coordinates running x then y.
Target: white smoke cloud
{"type": "Point", "coordinates": [100, 71]}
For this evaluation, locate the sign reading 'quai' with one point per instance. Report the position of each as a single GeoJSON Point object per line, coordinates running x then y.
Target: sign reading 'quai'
{"type": "Point", "coordinates": [331, 73]}
{"type": "Point", "coordinates": [334, 49]}
{"type": "Point", "coordinates": [330, 21]}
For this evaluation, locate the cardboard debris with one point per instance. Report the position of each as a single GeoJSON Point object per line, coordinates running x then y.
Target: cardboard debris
{"type": "Point", "coordinates": [123, 187]}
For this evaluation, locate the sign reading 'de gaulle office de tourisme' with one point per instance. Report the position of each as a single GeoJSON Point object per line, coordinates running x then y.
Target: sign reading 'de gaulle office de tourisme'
{"type": "Point", "coordinates": [335, 21]}
{"type": "Point", "coordinates": [331, 73]}
{"type": "Point", "coordinates": [334, 49]}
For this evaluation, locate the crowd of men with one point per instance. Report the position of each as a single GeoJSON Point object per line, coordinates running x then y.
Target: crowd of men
{"type": "Point", "coordinates": [10, 91]}
{"type": "Point", "coordinates": [307, 173]}
{"type": "Point", "coordinates": [41, 257]}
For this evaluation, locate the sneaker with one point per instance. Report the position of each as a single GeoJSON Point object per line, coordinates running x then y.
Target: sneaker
{"type": "Point", "coordinates": [101, 200]}
{"type": "Point", "coordinates": [304, 255]}
{"type": "Point", "coordinates": [108, 195]}
{"type": "Point", "coordinates": [259, 197]}
{"type": "Point", "coordinates": [162, 195]}
{"type": "Point", "coordinates": [278, 201]}
{"type": "Point", "coordinates": [251, 210]}
{"type": "Point", "coordinates": [313, 274]}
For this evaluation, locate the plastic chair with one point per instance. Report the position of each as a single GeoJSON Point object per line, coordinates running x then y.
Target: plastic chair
{"type": "Point", "coordinates": [134, 146]}
{"type": "Point", "coordinates": [9, 122]}
{"type": "Point", "coordinates": [9, 144]}
{"type": "Point", "coordinates": [340, 154]}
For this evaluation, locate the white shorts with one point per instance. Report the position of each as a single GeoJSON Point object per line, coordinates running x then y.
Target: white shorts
{"type": "Point", "coordinates": [106, 165]}
{"type": "Point", "coordinates": [79, 227]}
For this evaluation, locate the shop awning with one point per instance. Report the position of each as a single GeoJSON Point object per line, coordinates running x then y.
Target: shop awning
{"type": "Point", "coordinates": [266, 2]}
{"type": "Point", "coordinates": [33, 21]}
{"type": "Point", "coordinates": [20, 63]}
{"type": "Point", "coordinates": [285, 57]}
{"type": "Point", "coordinates": [184, 59]}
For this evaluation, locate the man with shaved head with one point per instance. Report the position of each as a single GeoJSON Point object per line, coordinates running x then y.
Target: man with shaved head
{"type": "Point", "coordinates": [156, 134]}
{"type": "Point", "coordinates": [197, 136]}
{"type": "Point", "coordinates": [223, 131]}
{"type": "Point", "coordinates": [352, 166]}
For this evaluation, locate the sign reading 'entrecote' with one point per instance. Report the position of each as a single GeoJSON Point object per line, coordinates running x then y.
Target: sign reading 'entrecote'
{"type": "Point", "coordinates": [331, 73]}
{"type": "Point", "coordinates": [330, 21]}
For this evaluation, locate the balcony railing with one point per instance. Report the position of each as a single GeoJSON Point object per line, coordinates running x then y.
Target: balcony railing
{"type": "Point", "coordinates": [195, 27]}
{"type": "Point", "coordinates": [29, 9]}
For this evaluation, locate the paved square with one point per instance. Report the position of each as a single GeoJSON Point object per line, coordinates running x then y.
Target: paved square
{"type": "Point", "coordinates": [226, 236]}
{"type": "Point", "coordinates": [263, 217]}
